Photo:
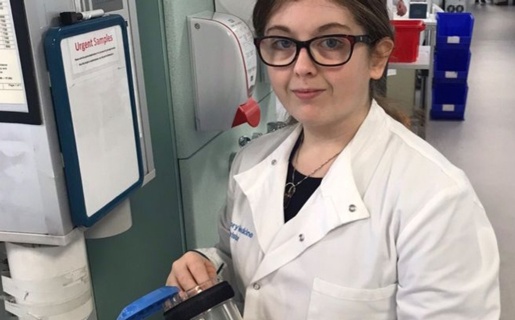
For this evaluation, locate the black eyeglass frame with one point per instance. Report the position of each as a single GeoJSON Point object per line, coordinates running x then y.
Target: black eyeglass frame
{"type": "Point", "coordinates": [306, 44]}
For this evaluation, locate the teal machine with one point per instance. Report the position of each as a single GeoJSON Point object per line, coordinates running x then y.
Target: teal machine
{"type": "Point", "coordinates": [172, 203]}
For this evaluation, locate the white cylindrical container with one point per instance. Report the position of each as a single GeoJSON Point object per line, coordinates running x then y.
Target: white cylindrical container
{"type": "Point", "coordinates": [116, 222]}
{"type": "Point", "coordinates": [49, 282]}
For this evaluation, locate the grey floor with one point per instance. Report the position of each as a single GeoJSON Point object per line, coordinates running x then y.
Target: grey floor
{"type": "Point", "coordinates": [484, 144]}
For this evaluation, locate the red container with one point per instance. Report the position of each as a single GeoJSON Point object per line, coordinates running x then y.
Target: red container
{"type": "Point", "coordinates": [407, 40]}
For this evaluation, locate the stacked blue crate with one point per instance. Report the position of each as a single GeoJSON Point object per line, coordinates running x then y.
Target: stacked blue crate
{"type": "Point", "coordinates": [451, 65]}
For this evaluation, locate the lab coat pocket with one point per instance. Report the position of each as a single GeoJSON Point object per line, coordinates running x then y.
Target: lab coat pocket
{"type": "Point", "coordinates": [332, 301]}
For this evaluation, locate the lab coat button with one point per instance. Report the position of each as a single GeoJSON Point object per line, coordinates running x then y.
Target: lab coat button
{"type": "Point", "coordinates": [301, 237]}
{"type": "Point", "coordinates": [274, 162]}
{"type": "Point", "coordinates": [256, 286]}
{"type": "Point", "coordinates": [352, 208]}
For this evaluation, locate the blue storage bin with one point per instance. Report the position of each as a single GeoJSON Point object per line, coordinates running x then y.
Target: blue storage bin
{"type": "Point", "coordinates": [449, 100]}
{"type": "Point", "coordinates": [454, 30]}
{"type": "Point", "coordinates": [452, 65]}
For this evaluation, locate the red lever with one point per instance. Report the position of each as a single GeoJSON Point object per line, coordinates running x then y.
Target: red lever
{"type": "Point", "coordinates": [249, 112]}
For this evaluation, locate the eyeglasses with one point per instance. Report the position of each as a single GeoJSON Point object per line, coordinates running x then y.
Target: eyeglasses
{"type": "Point", "coordinates": [328, 51]}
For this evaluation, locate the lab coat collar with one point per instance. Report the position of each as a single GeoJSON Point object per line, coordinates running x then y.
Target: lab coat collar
{"type": "Point", "coordinates": [263, 185]}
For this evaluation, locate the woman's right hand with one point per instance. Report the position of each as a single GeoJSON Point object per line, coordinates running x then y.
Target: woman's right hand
{"type": "Point", "coordinates": [190, 270]}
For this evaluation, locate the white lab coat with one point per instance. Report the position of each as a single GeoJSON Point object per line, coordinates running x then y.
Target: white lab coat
{"type": "Point", "coordinates": [393, 232]}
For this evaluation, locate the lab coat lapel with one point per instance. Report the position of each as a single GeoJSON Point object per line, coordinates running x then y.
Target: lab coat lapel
{"type": "Point", "coordinates": [263, 185]}
{"type": "Point", "coordinates": [335, 203]}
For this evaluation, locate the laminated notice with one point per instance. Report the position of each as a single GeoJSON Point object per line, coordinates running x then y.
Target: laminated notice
{"type": "Point", "coordinates": [453, 39]}
{"type": "Point", "coordinates": [448, 107]}
{"type": "Point", "coordinates": [451, 74]}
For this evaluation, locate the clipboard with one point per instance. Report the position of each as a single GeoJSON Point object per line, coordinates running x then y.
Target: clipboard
{"type": "Point", "coordinates": [94, 104]}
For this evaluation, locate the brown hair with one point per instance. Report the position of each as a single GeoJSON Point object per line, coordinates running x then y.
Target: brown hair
{"type": "Point", "coordinates": [372, 15]}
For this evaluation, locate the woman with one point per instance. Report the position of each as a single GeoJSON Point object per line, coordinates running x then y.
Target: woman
{"type": "Point", "coordinates": [346, 214]}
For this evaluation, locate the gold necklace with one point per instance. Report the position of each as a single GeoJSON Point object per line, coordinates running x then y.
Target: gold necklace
{"type": "Point", "coordinates": [291, 187]}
